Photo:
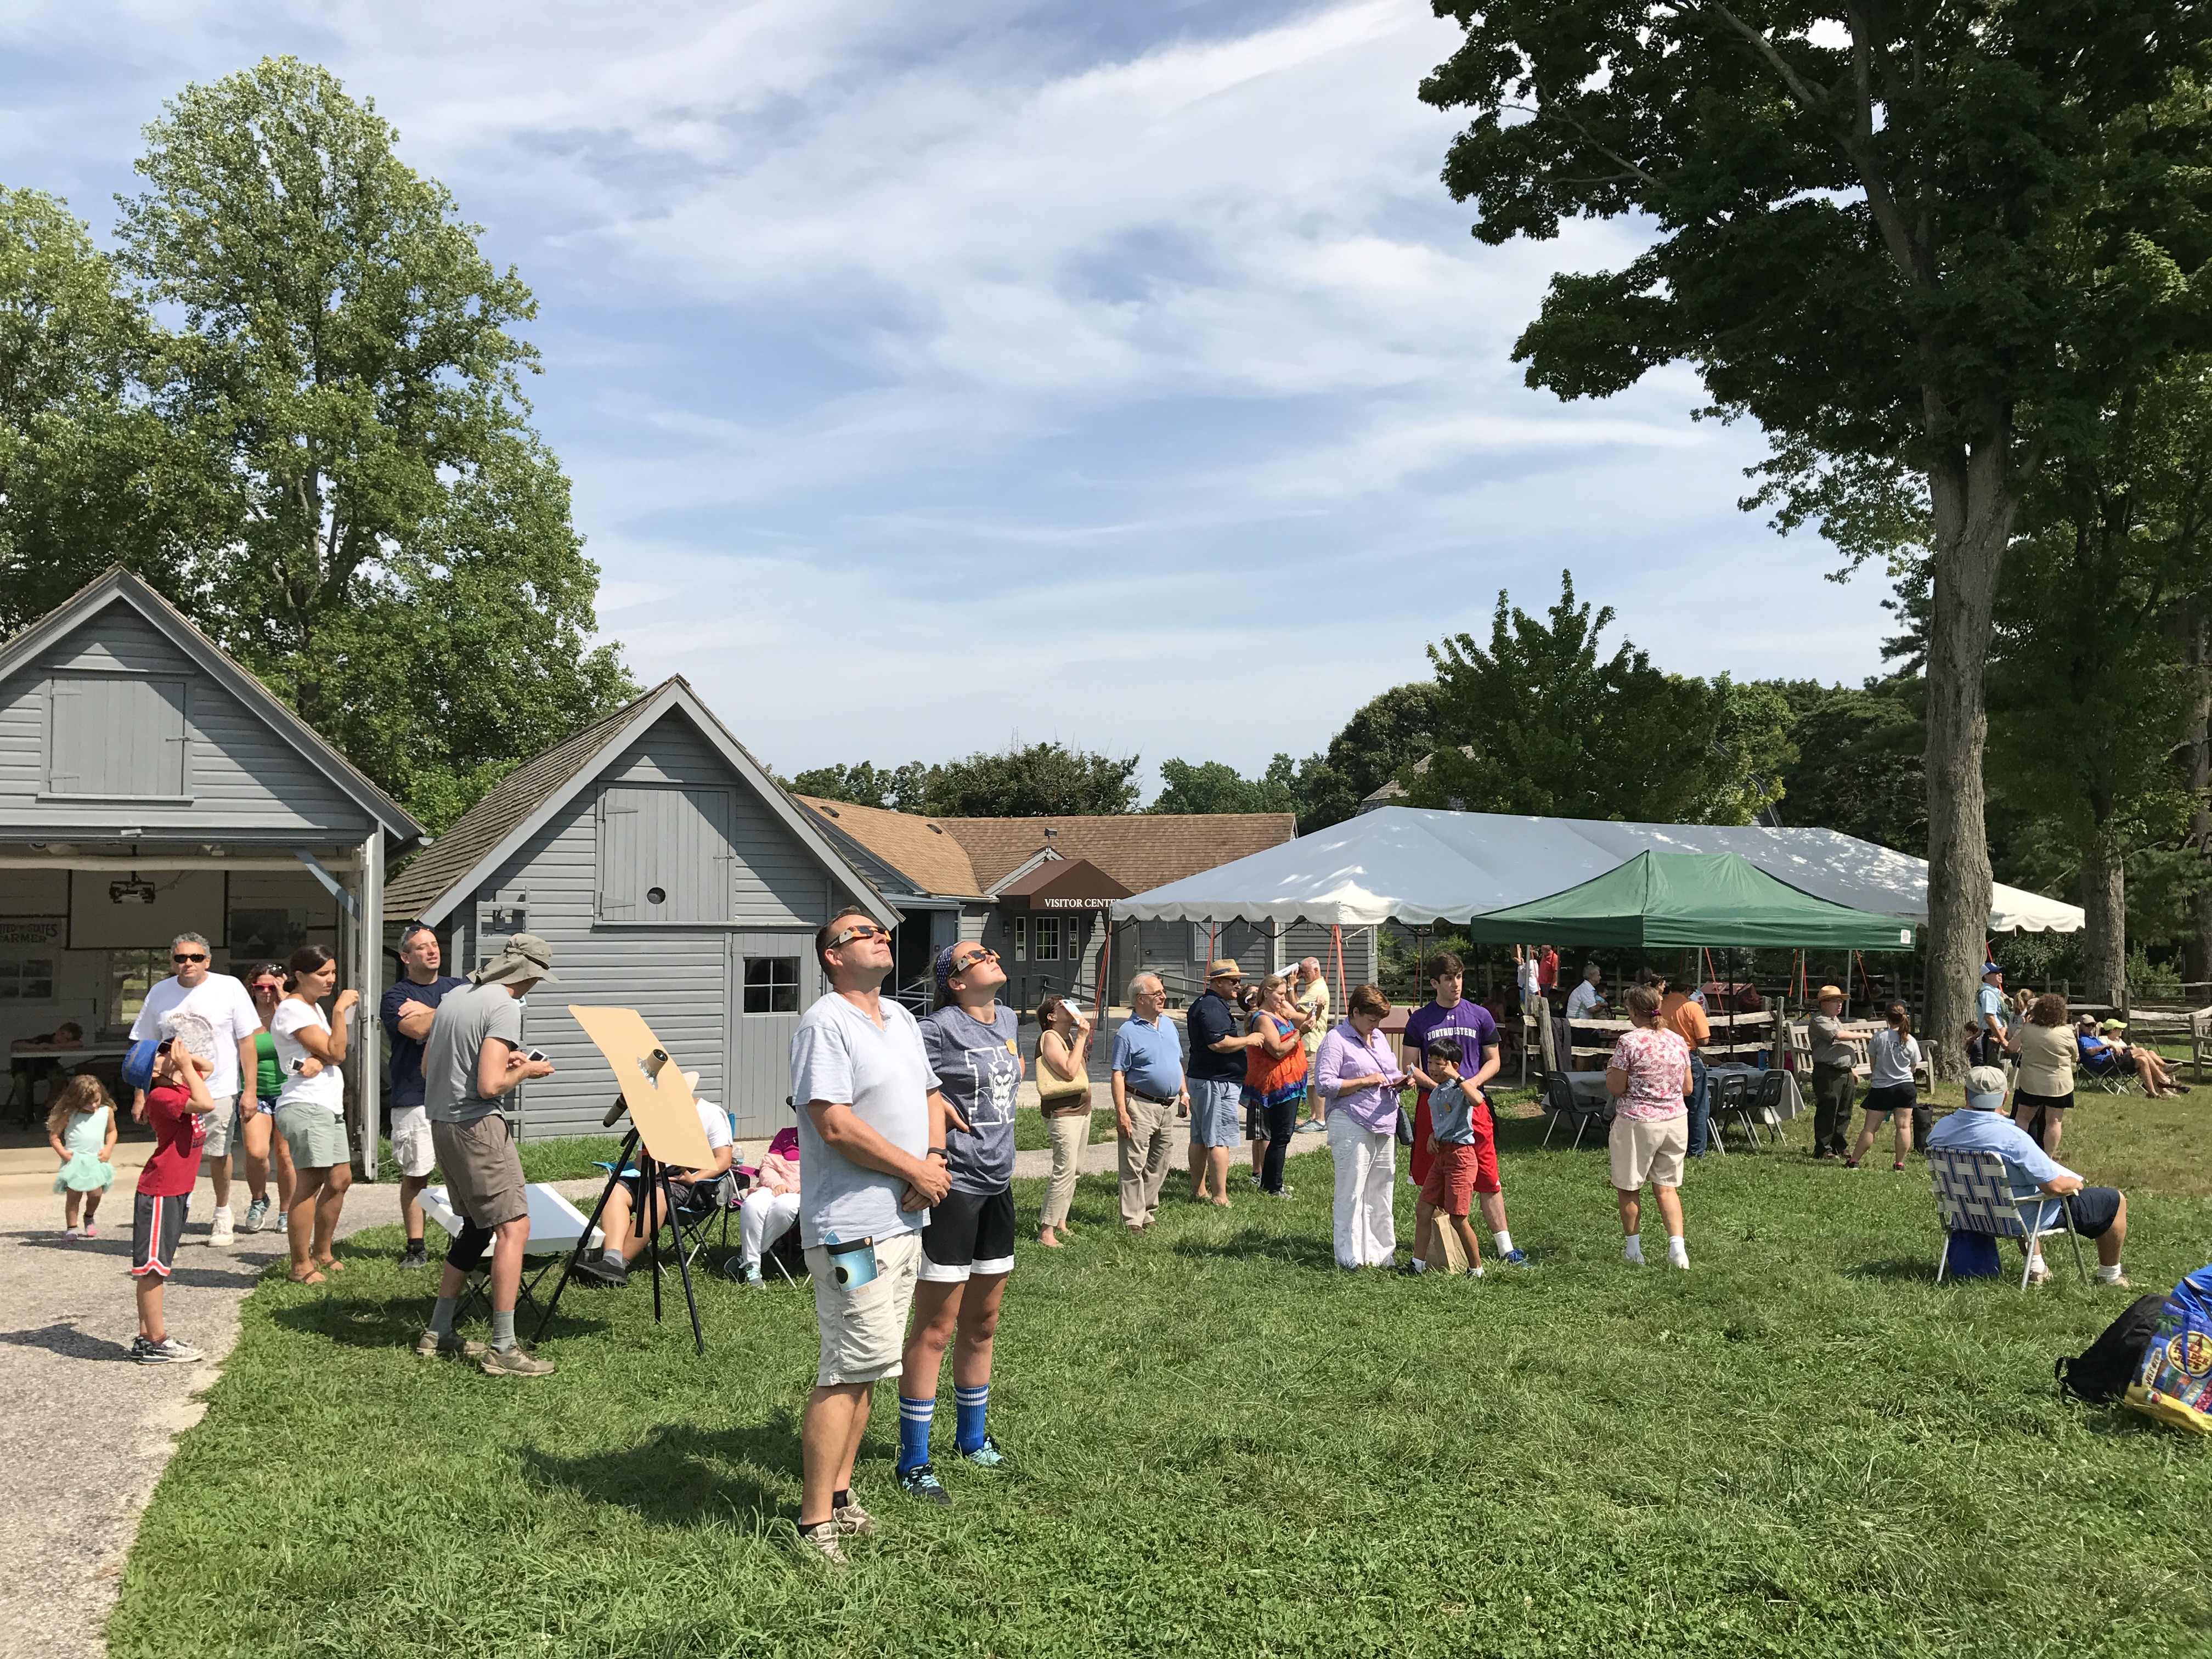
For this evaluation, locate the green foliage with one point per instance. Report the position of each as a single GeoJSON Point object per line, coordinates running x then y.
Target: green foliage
{"type": "Point", "coordinates": [1858, 769]}
{"type": "Point", "coordinates": [1040, 781]}
{"type": "Point", "coordinates": [1215, 788]}
{"type": "Point", "coordinates": [1800, 1447]}
{"type": "Point", "coordinates": [894, 788]}
{"type": "Point", "coordinates": [86, 473]}
{"type": "Point", "coordinates": [373, 528]}
{"type": "Point", "coordinates": [1384, 736]}
{"type": "Point", "coordinates": [1545, 725]}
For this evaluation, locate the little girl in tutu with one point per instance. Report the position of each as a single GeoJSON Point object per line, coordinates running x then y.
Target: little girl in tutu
{"type": "Point", "coordinates": [80, 1128]}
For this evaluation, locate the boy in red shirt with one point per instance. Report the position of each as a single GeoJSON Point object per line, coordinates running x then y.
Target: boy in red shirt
{"type": "Point", "coordinates": [173, 1106]}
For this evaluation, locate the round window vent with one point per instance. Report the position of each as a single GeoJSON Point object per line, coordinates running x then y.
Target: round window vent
{"type": "Point", "coordinates": [656, 896]}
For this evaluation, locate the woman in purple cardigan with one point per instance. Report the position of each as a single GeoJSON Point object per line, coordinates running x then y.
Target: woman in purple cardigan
{"type": "Point", "coordinates": [1356, 1081]}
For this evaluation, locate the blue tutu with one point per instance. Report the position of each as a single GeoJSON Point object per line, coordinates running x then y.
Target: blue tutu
{"type": "Point", "coordinates": [84, 1173]}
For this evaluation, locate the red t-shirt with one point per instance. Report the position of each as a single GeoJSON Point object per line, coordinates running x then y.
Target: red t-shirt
{"type": "Point", "coordinates": [1548, 969]}
{"type": "Point", "coordinates": [179, 1135]}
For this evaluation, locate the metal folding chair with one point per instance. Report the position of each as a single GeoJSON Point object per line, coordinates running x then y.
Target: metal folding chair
{"type": "Point", "coordinates": [1731, 1098]}
{"type": "Point", "coordinates": [1973, 1195]}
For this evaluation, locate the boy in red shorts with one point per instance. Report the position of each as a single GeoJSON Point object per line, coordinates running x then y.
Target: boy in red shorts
{"type": "Point", "coordinates": [1463, 1158]}
{"type": "Point", "coordinates": [174, 1106]}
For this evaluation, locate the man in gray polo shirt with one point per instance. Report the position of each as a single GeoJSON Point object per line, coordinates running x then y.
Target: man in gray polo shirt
{"type": "Point", "coordinates": [872, 1161]}
{"type": "Point", "coordinates": [472, 1060]}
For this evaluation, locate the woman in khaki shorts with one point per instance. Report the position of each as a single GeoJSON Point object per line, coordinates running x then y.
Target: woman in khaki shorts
{"type": "Point", "coordinates": [1649, 1078]}
{"type": "Point", "coordinates": [1064, 1096]}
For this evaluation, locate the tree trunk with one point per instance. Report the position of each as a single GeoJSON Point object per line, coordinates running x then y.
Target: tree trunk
{"type": "Point", "coordinates": [2197, 953]}
{"type": "Point", "coordinates": [2105, 919]}
{"type": "Point", "coordinates": [1972, 499]}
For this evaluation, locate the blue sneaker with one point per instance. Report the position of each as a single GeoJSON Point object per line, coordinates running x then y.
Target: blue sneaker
{"type": "Point", "coordinates": [1515, 1258]}
{"type": "Point", "coordinates": [921, 1481]}
{"type": "Point", "coordinates": [985, 1457]}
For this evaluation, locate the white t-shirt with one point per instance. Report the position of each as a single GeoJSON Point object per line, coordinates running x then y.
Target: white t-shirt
{"type": "Point", "coordinates": [840, 1055]}
{"type": "Point", "coordinates": [1526, 979]}
{"type": "Point", "coordinates": [1583, 998]}
{"type": "Point", "coordinates": [716, 1121]}
{"type": "Point", "coordinates": [219, 999]}
{"type": "Point", "coordinates": [327, 1087]}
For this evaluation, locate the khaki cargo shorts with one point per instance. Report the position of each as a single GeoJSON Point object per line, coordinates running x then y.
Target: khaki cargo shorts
{"type": "Point", "coordinates": [863, 1329]}
{"type": "Point", "coordinates": [484, 1172]}
{"type": "Point", "coordinates": [1648, 1148]}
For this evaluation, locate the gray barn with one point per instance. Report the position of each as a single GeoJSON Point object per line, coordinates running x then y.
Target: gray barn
{"type": "Point", "coordinates": [671, 874]}
{"type": "Point", "coordinates": [150, 786]}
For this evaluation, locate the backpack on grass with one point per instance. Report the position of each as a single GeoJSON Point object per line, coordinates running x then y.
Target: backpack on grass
{"type": "Point", "coordinates": [2101, 1374]}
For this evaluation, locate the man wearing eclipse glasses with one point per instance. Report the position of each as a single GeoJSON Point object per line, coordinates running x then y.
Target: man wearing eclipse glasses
{"type": "Point", "coordinates": [224, 1002]}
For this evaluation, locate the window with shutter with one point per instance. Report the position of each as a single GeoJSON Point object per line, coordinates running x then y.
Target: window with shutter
{"type": "Point", "coordinates": [117, 737]}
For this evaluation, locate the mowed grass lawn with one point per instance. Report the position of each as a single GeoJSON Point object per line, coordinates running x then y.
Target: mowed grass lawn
{"type": "Point", "coordinates": [1222, 1445]}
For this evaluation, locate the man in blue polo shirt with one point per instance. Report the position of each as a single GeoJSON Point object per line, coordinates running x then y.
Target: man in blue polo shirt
{"type": "Point", "coordinates": [1149, 1096]}
{"type": "Point", "coordinates": [406, 1011]}
{"type": "Point", "coordinates": [2099, 1213]}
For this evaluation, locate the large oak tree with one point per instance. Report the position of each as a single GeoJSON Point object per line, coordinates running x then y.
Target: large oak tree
{"type": "Point", "coordinates": [1922, 244]}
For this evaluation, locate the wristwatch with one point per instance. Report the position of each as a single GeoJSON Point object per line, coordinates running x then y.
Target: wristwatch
{"type": "Point", "coordinates": [939, 1151]}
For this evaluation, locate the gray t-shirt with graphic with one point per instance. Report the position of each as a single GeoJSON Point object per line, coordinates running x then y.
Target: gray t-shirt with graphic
{"type": "Point", "coordinates": [840, 1056]}
{"type": "Point", "coordinates": [458, 1029]}
{"type": "Point", "coordinates": [978, 1068]}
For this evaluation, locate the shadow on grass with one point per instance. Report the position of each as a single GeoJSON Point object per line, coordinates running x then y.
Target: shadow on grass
{"type": "Point", "coordinates": [1252, 1244]}
{"type": "Point", "coordinates": [683, 1475]}
{"type": "Point", "coordinates": [364, 1321]}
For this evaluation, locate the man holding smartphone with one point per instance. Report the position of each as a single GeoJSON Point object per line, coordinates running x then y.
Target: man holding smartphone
{"type": "Point", "coordinates": [872, 1161]}
{"type": "Point", "coordinates": [471, 1062]}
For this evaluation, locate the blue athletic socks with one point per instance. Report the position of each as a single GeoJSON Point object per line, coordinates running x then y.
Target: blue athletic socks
{"type": "Point", "coordinates": [967, 1405]}
{"type": "Point", "coordinates": [913, 1432]}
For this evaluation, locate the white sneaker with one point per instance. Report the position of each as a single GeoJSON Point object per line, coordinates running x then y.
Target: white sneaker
{"type": "Point", "coordinates": [221, 1232]}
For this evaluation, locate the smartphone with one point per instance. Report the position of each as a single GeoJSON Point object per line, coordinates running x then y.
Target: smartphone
{"type": "Point", "coordinates": [535, 1055]}
{"type": "Point", "coordinates": [299, 1065]}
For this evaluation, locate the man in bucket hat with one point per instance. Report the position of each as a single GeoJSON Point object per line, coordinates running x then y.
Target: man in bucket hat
{"type": "Point", "coordinates": [2098, 1212]}
{"type": "Point", "coordinates": [471, 1064]}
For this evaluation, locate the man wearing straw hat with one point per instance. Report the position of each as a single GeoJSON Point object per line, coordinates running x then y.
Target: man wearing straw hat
{"type": "Point", "coordinates": [1833, 1081]}
{"type": "Point", "coordinates": [1216, 1075]}
{"type": "Point", "coordinates": [471, 1063]}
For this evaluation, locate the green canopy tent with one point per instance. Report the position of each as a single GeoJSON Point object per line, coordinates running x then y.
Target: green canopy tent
{"type": "Point", "coordinates": [1691, 899]}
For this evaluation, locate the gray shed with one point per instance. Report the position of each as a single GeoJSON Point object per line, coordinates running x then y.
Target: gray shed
{"type": "Point", "coordinates": [150, 786]}
{"type": "Point", "coordinates": [671, 874]}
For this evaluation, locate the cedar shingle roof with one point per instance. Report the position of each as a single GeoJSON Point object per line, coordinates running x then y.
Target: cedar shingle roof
{"type": "Point", "coordinates": [915, 846]}
{"type": "Point", "coordinates": [504, 806]}
{"type": "Point", "coordinates": [1140, 850]}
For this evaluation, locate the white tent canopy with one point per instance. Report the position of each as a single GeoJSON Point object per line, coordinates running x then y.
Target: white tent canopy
{"type": "Point", "coordinates": [1398, 864]}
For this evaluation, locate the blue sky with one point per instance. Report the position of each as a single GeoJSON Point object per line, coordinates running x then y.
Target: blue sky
{"type": "Point", "coordinates": [934, 376]}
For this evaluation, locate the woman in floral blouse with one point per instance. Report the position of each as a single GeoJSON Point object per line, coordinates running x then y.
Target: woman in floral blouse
{"type": "Point", "coordinates": [1648, 1077]}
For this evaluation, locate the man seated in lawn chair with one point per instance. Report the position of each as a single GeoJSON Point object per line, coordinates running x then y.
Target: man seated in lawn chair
{"type": "Point", "coordinates": [696, 1190]}
{"type": "Point", "coordinates": [771, 1207]}
{"type": "Point", "coordinates": [2104, 1054]}
{"type": "Point", "coordinates": [2098, 1212]}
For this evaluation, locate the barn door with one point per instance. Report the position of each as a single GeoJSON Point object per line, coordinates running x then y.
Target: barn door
{"type": "Point", "coordinates": [664, 855]}
{"type": "Point", "coordinates": [773, 979]}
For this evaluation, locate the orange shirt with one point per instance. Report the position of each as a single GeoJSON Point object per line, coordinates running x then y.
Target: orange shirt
{"type": "Point", "coordinates": [1680, 1015]}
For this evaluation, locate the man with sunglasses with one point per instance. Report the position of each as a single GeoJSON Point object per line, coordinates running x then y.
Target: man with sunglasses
{"type": "Point", "coordinates": [224, 1002]}
{"type": "Point", "coordinates": [872, 1162]}
{"type": "Point", "coordinates": [406, 1012]}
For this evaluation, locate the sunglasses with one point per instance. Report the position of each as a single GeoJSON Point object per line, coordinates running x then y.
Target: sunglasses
{"type": "Point", "coordinates": [187, 956]}
{"type": "Point", "coordinates": [962, 964]}
{"type": "Point", "coordinates": [865, 930]}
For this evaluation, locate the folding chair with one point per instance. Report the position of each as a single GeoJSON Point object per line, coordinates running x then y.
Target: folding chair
{"type": "Point", "coordinates": [1973, 1195]}
{"type": "Point", "coordinates": [2108, 1077]}
{"type": "Point", "coordinates": [555, 1224]}
{"type": "Point", "coordinates": [1585, 1109]}
{"type": "Point", "coordinates": [1766, 1102]}
{"type": "Point", "coordinates": [783, 1250]}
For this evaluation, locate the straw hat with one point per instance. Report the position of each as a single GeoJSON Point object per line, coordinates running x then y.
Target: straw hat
{"type": "Point", "coordinates": [1827, 991]}
{"type": "Point", "coordinates": [1224, 968]}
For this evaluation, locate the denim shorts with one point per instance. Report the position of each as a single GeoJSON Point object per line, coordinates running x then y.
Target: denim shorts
{"type": "Point", "coordinates": [1216, 1112]}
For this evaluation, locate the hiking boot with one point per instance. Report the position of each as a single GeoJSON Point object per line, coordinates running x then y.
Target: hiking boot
{"type": "Point", "coordinates": [431, 1345]}
{"type": "Point", "coordinates": [516, 1361]}
{"type": "Point", "coordinates": [988, 1455]}
{"type": "Point", "coordinates": [921, 1481]}
{"type": "Point", "coordinates": [820, 1539]}
{"type": "Point", "coordinates": [853, 1520]}
{"type": "Point", "coordinates": [256, 1217]}
{"type": "Point", "coordinates": [167, 1352]}
{"type": "Point", "coordinates": [607, 1266]}
{"type": "Point", "coordinates": [414, 1255]}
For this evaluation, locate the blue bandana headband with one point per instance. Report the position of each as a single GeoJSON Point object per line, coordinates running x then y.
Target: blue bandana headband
{"type": "Point", "coordinates": [944, 966]}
